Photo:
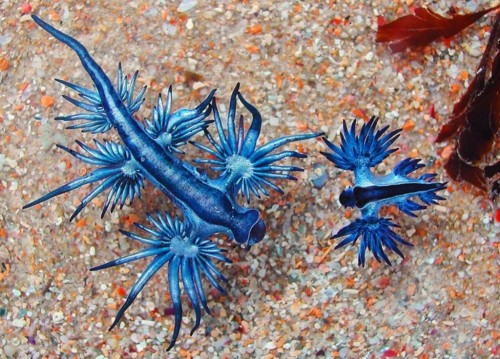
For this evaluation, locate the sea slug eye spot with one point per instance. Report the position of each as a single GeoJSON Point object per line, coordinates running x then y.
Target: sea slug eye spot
{"type": "Point", "coordinates": [184, 247]}
{"type": "Point", "coordinates": [240, 166]}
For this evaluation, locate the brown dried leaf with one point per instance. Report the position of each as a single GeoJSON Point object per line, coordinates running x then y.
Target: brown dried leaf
{"type": "Point", "coordinates": [475, 121]}
{"type": "Point", "coordinates": [423, 27]}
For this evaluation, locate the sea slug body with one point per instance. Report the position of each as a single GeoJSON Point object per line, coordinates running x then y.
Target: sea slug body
{"type": "Point", "coordinates": [148, 152]}
{"type": "Point", "coordinates": [359, 153]}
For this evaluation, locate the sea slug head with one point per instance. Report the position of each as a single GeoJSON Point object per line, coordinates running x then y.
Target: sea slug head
{"type": "Point", "coordinates": [248, 227]}
{"type": "Point", "coordinates": [346, 198]}
{"type": "Point", "coordinates": [257, 232]}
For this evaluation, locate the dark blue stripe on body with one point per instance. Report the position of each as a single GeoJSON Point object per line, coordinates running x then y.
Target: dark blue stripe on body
{"type": "Point", "coordinates": [366, 195]}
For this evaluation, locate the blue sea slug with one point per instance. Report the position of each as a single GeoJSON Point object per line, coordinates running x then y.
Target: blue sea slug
{"type": "Point", "coordinates": [359, 153]}
{"type": "Point", "coordinates": [149, 152]}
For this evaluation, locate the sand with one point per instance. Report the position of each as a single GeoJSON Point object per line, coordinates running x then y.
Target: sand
{"type": "Point", "coordinates": [306, 66]}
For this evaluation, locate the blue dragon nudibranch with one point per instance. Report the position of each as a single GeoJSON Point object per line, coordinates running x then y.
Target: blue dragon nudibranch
{"type": "Point", "coordinates": [359, 153]}
{"type": "Point", "coordinates": [147, 152]}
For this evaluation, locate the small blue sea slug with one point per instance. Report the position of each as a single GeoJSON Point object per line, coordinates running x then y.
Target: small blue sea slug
{"type": "Point", "coordinates": [149, 152]}
{"type": "Point", "coordinates": [359, 153]}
